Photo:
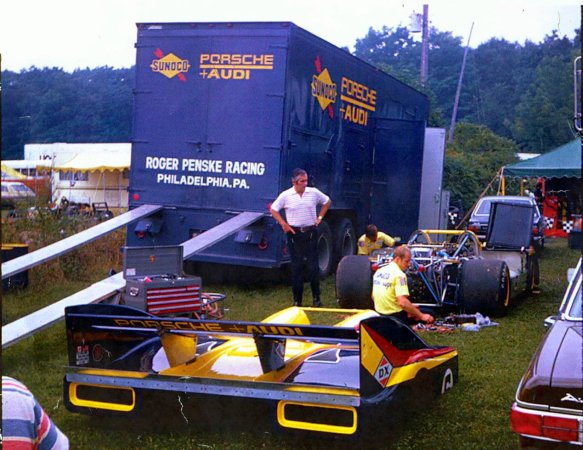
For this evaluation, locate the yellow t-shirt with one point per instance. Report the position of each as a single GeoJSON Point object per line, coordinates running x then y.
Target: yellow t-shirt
{"type": "Point", "coordinates": [389, 282]}
{"type": "Point", "coordinates": [366, 246]}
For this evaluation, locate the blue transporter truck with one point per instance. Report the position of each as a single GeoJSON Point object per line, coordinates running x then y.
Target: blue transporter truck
{"type": "Point", "coordinates": [223, 113]}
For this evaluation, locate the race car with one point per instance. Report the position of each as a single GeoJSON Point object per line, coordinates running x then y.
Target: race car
{"type": "Point", "coordinates": [361, 373]}
{"type": "Point", "coordinates": [450, 270]}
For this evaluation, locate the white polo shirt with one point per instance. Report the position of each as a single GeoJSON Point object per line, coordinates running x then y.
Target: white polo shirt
{"type": "Point", "coordinates": [300, 211]}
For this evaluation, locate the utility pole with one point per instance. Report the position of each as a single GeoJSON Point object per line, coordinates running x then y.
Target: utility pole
{"type": "Point", "coordinates": [459, 88]}
{"type": "Point", "coordinates": [424, 45]}
{"type": "Point", "coordinates": [420, 23]}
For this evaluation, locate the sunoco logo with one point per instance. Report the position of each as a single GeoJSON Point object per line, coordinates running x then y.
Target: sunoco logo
{"type": "Point", "coordinates": [170, 65]}
{"type": "Point", "coordinates": [323, 88]}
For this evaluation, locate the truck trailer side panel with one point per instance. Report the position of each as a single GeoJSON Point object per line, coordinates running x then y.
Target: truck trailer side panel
{"type": "Point", "coordinates": [224, 112]}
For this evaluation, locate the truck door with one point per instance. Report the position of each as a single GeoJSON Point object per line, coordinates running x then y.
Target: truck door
{"type": "Point", "coordinates": [396, 176]}
{"type": "Point", "coordinates": [208, 113]}
{"type": "Point", "coordinates": [356, 164]}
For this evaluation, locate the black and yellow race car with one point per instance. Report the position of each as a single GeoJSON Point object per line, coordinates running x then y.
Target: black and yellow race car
{"type": "Point", "coordinates": [362, 372]}
{"type": "Point", "coordinates": [451, 270]}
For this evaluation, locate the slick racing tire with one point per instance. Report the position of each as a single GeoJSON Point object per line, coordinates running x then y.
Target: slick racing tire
{"type": "Point", "coordinates": [485, 287]}
{"type": "Point", "coordinates": [354, 282]}
{"type": "Point", "coordinates": [344, 239]}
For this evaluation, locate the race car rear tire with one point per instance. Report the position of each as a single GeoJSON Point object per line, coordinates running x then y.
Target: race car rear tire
{"type": "Point", "coordinates": [485, 287]}
{"type": "Point", "coordinates": [354, 282]}
{"type": "Point", "coordinates": [325, 250]}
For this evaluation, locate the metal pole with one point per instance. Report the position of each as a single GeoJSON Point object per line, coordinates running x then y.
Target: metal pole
{"type": "Point", "coordinates": [577, 92]}
{"type": "Point", "coordinates": [459, 88]}
{"type": "Point", "coordinates": [424, 44]}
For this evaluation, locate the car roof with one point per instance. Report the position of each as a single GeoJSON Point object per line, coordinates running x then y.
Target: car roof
{"type": "Point", "coordinates": [508, 198]}
{"type": "Point", "coordinates": [478, 210]}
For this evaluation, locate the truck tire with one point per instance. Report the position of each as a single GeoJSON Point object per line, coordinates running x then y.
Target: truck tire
{"type": "Point", "coordinates": [344, 239]}
{"type": "Point", "coordinates": [484, 287]}
{"type": "Point", "coordinates": [354, 282]}
{"type": "Point", "coordinates": [325, 250]}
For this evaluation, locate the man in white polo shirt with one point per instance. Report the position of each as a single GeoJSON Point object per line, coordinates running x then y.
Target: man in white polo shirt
{"type": "Point", "coordinates": [301, 221]}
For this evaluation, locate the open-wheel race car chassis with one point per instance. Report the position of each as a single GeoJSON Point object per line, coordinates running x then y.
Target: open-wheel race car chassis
{"type": "Point", "coordinates": [449, 270]}
{"type": "Point", "coordinates": [359, 375]}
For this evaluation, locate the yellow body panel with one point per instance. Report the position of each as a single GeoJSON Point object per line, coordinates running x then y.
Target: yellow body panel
{"type": "Point", "coordinates": [114, 373]}
{"type": "Point", "coordinates": [371, 354]}
{"type": "Point", "coordinates": [75, 400]}
{"type": "Point", "coordinates": [324, 390]}
{"type": "Point", "coordinates": [238, 358]}
{"type": "Point", "coordinates": [322, 427]}
{"type": "Point", "coordinates": [179, 349]}
{"type": "Point", "coordinates": [409, 372]}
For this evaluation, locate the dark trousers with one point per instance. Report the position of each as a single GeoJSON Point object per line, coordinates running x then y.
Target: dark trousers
{"type": "Point", "coordinates": [532, 267]}
{"type": "Point", "coordinates": [532, 271]}
{"type": "Point", "coordinates": [304, 246]}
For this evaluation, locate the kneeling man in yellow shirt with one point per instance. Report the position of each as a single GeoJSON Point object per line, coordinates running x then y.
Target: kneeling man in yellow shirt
{"type": "Point", "coordinates": [390, 292]}
{"type": "Point", "coordinates": [373, 239]}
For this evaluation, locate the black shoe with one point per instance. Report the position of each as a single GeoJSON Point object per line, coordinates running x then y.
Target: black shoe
{"type": "Point", "coordinates": [297, 303]}
{"type": "Point", "coordinates": [317, 303]}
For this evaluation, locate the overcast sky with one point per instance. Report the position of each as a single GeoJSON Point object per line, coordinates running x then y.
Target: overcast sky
{"type": "Point", "coordinates": [74, 34]}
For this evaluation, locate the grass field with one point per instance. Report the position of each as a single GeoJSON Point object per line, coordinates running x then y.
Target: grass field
{"type": "Point", "coordinates": [474, 415]}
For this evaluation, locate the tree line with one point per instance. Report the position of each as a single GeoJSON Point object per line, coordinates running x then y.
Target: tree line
{"type": "Point", "coordinates": [514, 97]}
{"type": "Point", "coordinates": [520, 92]}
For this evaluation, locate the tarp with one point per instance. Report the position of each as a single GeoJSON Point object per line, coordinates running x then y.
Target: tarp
{"type": "Point", "coordinates": [11, 174]}
{"type": "Point", "coordinates": [564, 161]}
{"type": "Point", "coordinates": [98, 161]}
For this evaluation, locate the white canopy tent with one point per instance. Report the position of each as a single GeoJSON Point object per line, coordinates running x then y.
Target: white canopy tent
{"type": "Point", "coordinates": [99, 161]}
{"type": "Point", "coordinates": [96, 174]}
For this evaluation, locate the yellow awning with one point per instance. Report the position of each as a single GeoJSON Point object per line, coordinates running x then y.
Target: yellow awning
{"type": "Point", "coordinates": [98, 161]}
{"type": "Point", "coordinates": [9, 173]}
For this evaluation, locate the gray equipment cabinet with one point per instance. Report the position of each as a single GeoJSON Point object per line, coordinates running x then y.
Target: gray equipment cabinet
{"type": "Point", "coordinates": [155, 282]}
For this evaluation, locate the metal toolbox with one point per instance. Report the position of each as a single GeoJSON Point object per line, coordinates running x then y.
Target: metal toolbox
{"type": "Point", "coordinates": [155, 282]}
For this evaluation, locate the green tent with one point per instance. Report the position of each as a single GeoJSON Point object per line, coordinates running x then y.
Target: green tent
{"type": "Point", "coordinates": [564, 161]}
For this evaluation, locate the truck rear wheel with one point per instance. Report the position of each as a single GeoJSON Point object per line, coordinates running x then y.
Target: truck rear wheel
{"type": "Point", "coordinates": [485, 287]}
{"type": "Point", "coordinates": [354, 282]}
{"type": "Point", "coordinates": [344, 239]}
{"type": "Point", "coordinates": [325, 252]}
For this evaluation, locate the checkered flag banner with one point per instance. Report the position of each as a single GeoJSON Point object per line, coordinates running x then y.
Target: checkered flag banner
{"type": "Point", "coordinates": [568, 226]}
{"type": "Point", "coordinates": [549, 222]}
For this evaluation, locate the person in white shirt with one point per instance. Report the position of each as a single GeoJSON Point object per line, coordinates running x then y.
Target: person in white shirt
{"type": "Point", "coordinates": [300, 203]}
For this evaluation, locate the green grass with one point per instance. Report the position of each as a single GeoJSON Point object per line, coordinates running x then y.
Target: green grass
{"type": "Point", "coordinates": [474, 415]}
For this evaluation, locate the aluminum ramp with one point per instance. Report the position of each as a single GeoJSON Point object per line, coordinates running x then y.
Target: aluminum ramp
{"type": "Point", "coordinates": [47, 316]}
{"type": "Point", "coordinates": [97, 292]}
{"type": "Point", "coordinates": [63, 246]}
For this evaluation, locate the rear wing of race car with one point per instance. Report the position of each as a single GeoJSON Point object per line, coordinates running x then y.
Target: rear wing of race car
{"type": "Point", "coordinates": [122, 330]}
{"type": "Point", "coordinates": [117, 338]}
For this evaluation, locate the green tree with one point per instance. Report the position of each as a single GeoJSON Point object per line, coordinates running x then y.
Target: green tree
{"type": "Point", "coordinates": [497, 91]}
{"type": "Point", "coordinates": [544, 114]}
{"type": "Point", "coordinates": [472, 161]}
{"type": "Point", "coordinates": [502, 85]}
{"type": "Point", "coordinates": [51, 105]}
{"type": "Point", "coordinates": [394, 48]}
